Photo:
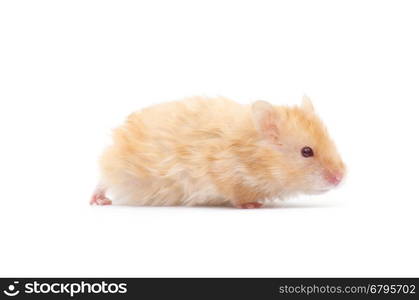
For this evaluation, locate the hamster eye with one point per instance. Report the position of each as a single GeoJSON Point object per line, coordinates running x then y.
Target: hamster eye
{"type": "Point", "coordinates": [307, 152]}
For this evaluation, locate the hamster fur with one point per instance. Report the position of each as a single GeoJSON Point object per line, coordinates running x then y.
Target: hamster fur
{"type": "Point", "coordinates": [213, 151]}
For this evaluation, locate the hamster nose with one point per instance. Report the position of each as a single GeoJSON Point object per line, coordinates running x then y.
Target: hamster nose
{"type": "Point", "coordinates": [334, 178]}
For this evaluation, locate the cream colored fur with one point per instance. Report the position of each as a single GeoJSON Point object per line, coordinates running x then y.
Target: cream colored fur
{"type": "Point", "coordinates": [214, 151]}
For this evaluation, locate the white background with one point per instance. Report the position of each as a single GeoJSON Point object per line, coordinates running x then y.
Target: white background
{"type": "Point", "coordinates": [70, 71]}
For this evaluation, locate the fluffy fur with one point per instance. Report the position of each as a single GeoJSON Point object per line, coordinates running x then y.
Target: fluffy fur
{"type": "Point", "coordinates": [214, 151]}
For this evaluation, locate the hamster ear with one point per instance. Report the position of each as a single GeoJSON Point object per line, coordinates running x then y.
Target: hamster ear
{"type": "Point", "coordinates": [266, 120]}
{"type": "Point", "coordinates": [307, 105]}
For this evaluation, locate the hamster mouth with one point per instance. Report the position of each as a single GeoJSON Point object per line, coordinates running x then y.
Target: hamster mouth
{"type": "Point", "coordinates": [323, 188]}
{"type": "Point", "coordinates": [319, 191]}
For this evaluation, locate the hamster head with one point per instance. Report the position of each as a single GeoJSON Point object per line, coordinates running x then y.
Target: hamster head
{"type": "Point", "coordinates": [309, 160]}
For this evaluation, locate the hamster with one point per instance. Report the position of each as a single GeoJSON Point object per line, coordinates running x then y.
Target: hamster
{"type": "Point", "coordinates": [216, 152]}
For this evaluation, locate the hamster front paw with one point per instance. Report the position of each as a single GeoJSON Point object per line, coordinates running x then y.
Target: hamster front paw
{"type": "Point", "coordinates": [250, 205]}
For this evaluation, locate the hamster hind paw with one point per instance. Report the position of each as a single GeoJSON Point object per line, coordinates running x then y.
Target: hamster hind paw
{"type": "Point", "coordinates": [99, 198]}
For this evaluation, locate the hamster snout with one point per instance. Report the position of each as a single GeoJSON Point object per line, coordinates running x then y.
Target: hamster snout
{"type": "Point", "coordinates": [334, 178]}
